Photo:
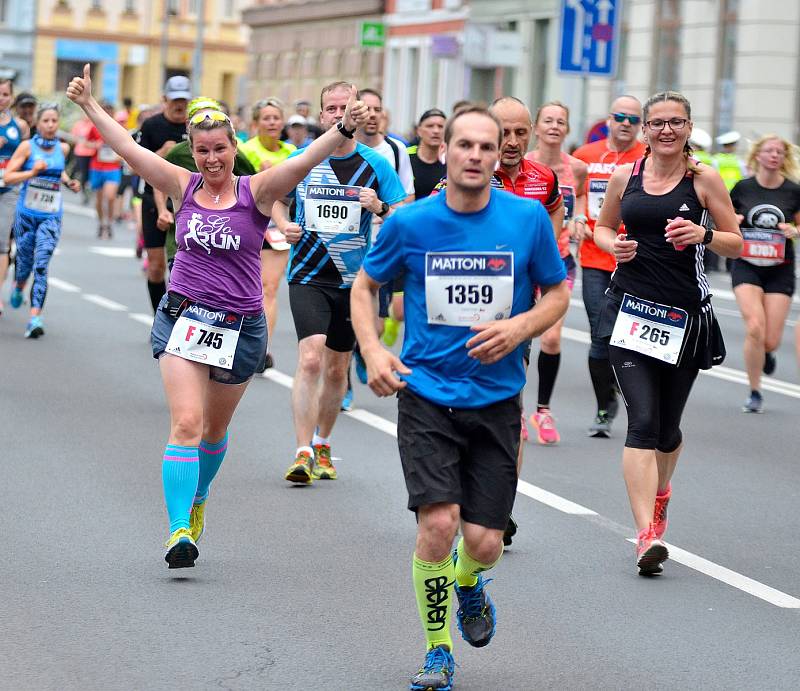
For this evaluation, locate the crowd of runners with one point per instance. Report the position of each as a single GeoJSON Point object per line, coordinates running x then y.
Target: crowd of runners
{"type": "Point", "coordinates": [467, 239]}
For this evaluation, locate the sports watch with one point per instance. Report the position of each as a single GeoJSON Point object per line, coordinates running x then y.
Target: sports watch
{"type": "Point", "coordinates": [344, 131]}
{"type": "Point", "coordinates": [708, 237]}
{"type": "Point", "coordinates": [384, 209]}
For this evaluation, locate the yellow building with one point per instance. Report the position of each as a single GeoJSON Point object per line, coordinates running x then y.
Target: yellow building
{"type": "Point", "coordinates": [124, 40]}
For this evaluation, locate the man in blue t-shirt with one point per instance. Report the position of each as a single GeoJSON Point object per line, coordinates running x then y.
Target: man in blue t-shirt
{"type": "Point", "coordinates": [330, 235]}
{"type": "Point", "coordinates": [471, 257]}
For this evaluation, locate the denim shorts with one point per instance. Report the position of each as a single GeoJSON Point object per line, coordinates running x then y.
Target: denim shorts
{"type": "Point", "coordinates": [251, 349]}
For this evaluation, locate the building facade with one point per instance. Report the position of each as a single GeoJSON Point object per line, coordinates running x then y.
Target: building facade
{"type": "Point", "coordinates": [17, 25]}
{"type": "Point", "coordinates": [299, 46]}
{"type": "Point", "coordinates": [134, 46]}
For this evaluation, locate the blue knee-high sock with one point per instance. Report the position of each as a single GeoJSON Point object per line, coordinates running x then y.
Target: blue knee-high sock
{"type": "Point", "coordinates": [179, 473]}
{"type": "Point", "coordinates": [211, 457]}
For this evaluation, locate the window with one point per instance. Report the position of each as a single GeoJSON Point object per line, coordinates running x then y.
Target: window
{"type": "Point", "coordinates": [3, 11]}
{"type": "Point", "coordinates": [194, 7]}
{"type": "Point", "coordinates": [228, 9]}
{"type": "Point", "coordinates": [130, 6]}
{"type": "Point", "coordinates": [97, 5]}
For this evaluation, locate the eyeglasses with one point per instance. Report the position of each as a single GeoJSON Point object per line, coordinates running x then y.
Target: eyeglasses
{"type": "Point", "coordinates": [264, 102]}
{"type": "Point", "coordinates": [622, 117]}
{"type": "Point", "coordinates": [215, 115]}
{"type": "Point", "coordinates": [675, 124]}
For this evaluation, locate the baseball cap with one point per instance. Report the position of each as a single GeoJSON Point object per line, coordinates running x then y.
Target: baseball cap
{"type": "Point", "coordinates": [25, 98]}
{"type": "Point", "coordinates": [296, 120]}
{"type": "Point", "coordinates": [431, 113]}
{"type": "Point", "coordinates": [178, 87]}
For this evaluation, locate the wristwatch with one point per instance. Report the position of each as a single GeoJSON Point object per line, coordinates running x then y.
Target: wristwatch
{"type": "Point", "coordinates": [384, 209]}
{"type": "Point", "coordinates": [708, 237]}
{"type": "Point", "coordinates": [344, 131]}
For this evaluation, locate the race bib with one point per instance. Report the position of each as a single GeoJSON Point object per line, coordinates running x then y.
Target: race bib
{"type": "Point", "coordinates": [568, 193]}
{"type": "Point", "coordinates": [206, 335]}
{"type": "Point", "coordinates": [597, 193]}
{"type": "Point", "coordinates": [3, 164]}
{"type": "Point", "coordinates": [466, 288]}
{"type": "Point", "coordinates": [333, 208]}
{"type": "Point", "coordinates": [105, 154]}
{"type": "Point", "coordinates": [650, 328]}
{"type": "Point", "coordinates": [763, 247]}
{"type": "Point", "coordinates": [43, 195]}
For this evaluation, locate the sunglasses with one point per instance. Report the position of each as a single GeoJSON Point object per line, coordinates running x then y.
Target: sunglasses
{"type": "Point", "coordinates": [622, 117]}
{"type": "Point", "coordinates": [214, 115]}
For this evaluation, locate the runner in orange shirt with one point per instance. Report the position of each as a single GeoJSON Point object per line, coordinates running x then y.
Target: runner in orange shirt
{"type": "Point", "coordinates": [602, 159]}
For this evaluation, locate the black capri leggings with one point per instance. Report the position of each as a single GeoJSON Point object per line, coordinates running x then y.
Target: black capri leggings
{"type": "Point", "coordinates": [655, 394]}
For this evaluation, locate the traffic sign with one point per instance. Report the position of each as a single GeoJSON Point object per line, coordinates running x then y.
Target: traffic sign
{"type": "Point", "coordinates": [373, 34]}
{"type": "Point", "coordinates": [589, 38]}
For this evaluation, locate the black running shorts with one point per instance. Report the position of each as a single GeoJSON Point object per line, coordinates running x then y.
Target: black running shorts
{"type": "Point", "coordinates": [460, 456]}
{"type": "Point", "coordinates": [772, 279]}
{"type": "Point", "coordinates": [323, 310]}
{"type": "Point", "coordinates": [153, 236]}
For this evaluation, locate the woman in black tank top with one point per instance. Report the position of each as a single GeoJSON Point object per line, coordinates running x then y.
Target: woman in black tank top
{"type": "Point", "coordinates": [658, 316]}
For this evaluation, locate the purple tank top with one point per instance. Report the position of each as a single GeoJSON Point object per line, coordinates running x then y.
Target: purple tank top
{"type": "Point", "coordinates": [218, 262]}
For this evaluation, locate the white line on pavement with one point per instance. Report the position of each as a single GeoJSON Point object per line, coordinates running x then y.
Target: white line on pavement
{"type": "Point", "coordinates": [116, 252]}
{"type": "Point", "coordinates": [552, 500]}
{"type": "Point", "coordinates": [63, 285]}
{"type": "Point", "coordinates": [80, 210]}
{"type": "Point", "coordinates": [100, 301]}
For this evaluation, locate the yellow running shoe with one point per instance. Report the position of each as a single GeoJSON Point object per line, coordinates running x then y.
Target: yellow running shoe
{"type": "Point", "coordinates": [323, 466]}
{"type": "Point", "coordinates": [197, 520]}
{"type": "Point", "coordinates": [391, 330]}
{"type": "Point", "coordinates": [300, 472]}
{"type": "Point", "coordinates": [181, 549]}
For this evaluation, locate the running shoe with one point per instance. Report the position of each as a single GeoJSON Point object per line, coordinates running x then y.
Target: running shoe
{"type": "Point", "coordinates": [770, 362]}
{"type": "Point", "coordinates": [601, 427]}
{"type": "Point", "coordinates": [651, 552]}
{"type": "Point", "coordinates": [437, 672]}
{"type": "Point", "coordinates": [510, 531]}
{"type": "Point", "coordinates": [181, 549]}
{"type": "Point", "coordinates": [269, 361]}
{"type": "Point", "coordinates": [476, 615]}
{"type": "Point", "coordinates": [35, 328]}
{"type": "Point", "coordinates": [347, 401]}
{"type": "Point", "coordinates": [391, 330]}
{"type": "Point", "coordinates": [660, 513]}
{"type": "Point", "coordinates": [361, 367]}
{"type": "Point", "coordinates": [15, 300]}
{"type": "Point", "coordinates": [323, 466]}
{"type": "Point", "coordinates": [301, 471]}
{"type": "Point", "coordinates": [754, 403]}
{"type": "Point", "coordinates": [546, 431]}
{"type": "Point", "coordinates": [197, 520]}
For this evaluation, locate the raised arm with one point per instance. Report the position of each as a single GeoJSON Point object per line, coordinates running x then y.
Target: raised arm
{"type": "Point", "coordinates": [167, 177]}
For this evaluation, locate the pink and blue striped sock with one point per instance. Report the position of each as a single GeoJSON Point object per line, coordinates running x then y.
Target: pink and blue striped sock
{"type": "Point", "coordinates": [211, 457]}
{"type": "Point", "coordinates": [179, 473]}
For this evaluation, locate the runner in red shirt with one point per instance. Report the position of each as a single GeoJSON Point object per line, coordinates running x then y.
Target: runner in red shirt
{"type": "Point", "coordinates": [602, 158]}
{"type": "Point", "coordinates": [105, 174]}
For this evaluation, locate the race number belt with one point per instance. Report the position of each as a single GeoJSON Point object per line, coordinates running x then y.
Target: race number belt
{"type": "Point", "coordinates": [333, 208]}
{"type": "Point", "coordinates": [44, 195]}
{"type": "Point", "coordinates": [568, 194]}
{"type": "Point", "coordinates": [3, 164]}
{"type": "Point", "coordinates": [105, 154]}
{"type": "Point", "coordinates": [597, 192]}
{"type": "Point", "coordinates": [763, 247]}
{"type": "Point", "coordinates": [650, 328]}
{"type": "Point", "coordinates": [206, 335]}
{"type": "Point", "coordinates": [466, 288]}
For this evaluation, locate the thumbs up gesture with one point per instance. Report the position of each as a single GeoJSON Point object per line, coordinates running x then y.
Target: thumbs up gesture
{"type": "Point", "coordinates": [355, 113]}
{"type": "Point", "coordinates": [80, 88]}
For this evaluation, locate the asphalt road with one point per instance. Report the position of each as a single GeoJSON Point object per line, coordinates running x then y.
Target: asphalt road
{"type": "Point", "coordinates": [302, 588]}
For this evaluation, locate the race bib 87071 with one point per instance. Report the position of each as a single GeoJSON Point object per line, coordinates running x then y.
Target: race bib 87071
{"type": "Point", "coordinates": [466, 288]}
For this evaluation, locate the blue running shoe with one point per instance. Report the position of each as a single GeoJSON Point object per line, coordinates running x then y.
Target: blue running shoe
{"type": "Point", "coordinates": [16, 298]}
{"type": "Point", "coordinates": [437, 672]}
{"type": "Point", "coordinates": [35, 328]}
{"type": "Point", "coordinates": [361, 367]}
{"type": "Point", "coordinates": [476, 616]}
{"type": "Point", "coordinates": [347, 401]}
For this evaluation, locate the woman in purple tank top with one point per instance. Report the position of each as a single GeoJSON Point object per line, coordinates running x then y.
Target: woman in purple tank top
{"type": "Point", "coordinates": [209, 333]}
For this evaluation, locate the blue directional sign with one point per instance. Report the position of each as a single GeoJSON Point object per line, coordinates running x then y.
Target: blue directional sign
{"type": "Point", "coordinates": [589, 38]}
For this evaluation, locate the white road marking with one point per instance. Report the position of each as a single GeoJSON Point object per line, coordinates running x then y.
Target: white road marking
{"type": "Point", "coordinates": [146, 319]}
{"type": "Point", "coordinates": [552, 500]}
{"type": "Point", "coordinates": [736, 580]}
{"type": "Point", "coordinates": [80, 210]}
{"type": "Point", "coordinates": [100, 301]}
{"type": "Point", "coordinates": [116, 252]}
{"type": "Point", "coordinates": [62, 285]}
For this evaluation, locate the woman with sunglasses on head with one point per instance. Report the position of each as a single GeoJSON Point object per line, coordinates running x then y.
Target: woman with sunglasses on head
{"type": "Point", "coordinates": [264, 151]}
{"type": "Point", "coordinates": [551, 127]}
{"type": "Point", "coordinates": [209, 332]}
{"type": "Point", "coordinates": [658, 314]}
{"type": "Point", "coordinates": [39, 164]}
{"type": "Point", "coordinates": [768, 209]}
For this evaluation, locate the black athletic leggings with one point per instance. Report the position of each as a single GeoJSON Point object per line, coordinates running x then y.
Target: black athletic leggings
{"type": "Point", "coordinates": [655, 395]}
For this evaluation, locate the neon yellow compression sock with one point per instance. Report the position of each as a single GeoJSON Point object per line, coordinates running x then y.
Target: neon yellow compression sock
{"type": "Point", "coordinates": [433, 586]}
{"type": "Point", "coordinates": [467, 568]}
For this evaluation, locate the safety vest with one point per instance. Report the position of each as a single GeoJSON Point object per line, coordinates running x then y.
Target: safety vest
{"type": "Point", "coordinates": [730, 169]}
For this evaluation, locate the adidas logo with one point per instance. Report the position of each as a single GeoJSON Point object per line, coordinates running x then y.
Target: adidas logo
{"type": "Point", "coordinates": [683, 208]}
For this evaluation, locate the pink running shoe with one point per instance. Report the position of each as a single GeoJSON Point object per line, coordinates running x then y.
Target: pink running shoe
{"type": "Point", "coordinates": [524, 428]}
{"type": "Point", "coordinates": [660, 513]}
{"type": "Point", "coordinates": [545, 427]}
{"type": "Point", "coordinates": [650, 552]}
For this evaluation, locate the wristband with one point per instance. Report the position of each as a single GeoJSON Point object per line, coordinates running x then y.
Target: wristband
{"type": "Point", "coordinates": [581, 218]}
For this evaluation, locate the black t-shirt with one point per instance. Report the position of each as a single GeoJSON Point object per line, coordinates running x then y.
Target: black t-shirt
{"type": "Point", "coordinates": [426, 175]}
{"type": "Point", "coordinates": [765, 208]}
{"type": "Point", "coordinates": [157, 130]}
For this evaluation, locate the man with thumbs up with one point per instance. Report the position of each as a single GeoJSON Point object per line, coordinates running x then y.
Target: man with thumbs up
{"type": "Point", "coordinates": [329, 231]}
